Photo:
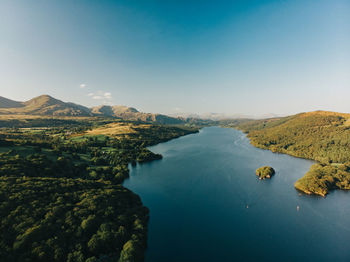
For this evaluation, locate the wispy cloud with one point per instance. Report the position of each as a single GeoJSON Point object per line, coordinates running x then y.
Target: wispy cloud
{"type": "Point", "coordinates": [103, 97]}
{"type": "Point", "coordinates": [177, 109]}
{"type": "Point", "coordinates": [82, 86]}
{"type": "Point", "coordinates": [97, 97]}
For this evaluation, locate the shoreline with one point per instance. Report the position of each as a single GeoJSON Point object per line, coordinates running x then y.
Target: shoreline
{"type": "Point", "coordinates": [297, 185]}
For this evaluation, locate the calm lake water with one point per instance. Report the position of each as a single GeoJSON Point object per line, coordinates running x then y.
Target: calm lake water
{"type": "Point", "coordinates": [206, 204]}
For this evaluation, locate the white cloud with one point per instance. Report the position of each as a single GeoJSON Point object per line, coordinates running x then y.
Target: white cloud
{"type": "Point", "coordinates": [177, 109]}
{"type": "Point", "coordinates": [108, 95]}
{"type": "Point", "coordinates": [97, 97]}
{"type": "Point", "coordinates": [82, 86]}
{"type": "Point", "coordinates": [103, 97]}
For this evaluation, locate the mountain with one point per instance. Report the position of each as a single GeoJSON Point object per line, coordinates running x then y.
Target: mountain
{"type": "Point", "coordinates": [8, 103]}
{"type": "Point", "coordinates": [44, 105]}
{"type": "Point", "coordinates": [114, 110]}
{"type": "Point", "coordinates": [222, 116]}
{"type": "Point", "coordinates": [130, 113]}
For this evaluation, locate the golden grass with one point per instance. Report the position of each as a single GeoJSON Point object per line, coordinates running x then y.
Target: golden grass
{"type": "Point", "coordinates": [347, 122]}
{"type": "Point", "coordinates": [115, 129]}
{"type": "Point", "coordinates": [327, 113]}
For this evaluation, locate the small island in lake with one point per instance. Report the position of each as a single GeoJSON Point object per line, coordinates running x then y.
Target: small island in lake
{"type": "Point", "coordinates": [265, 172]}
{"type": "Point", "coordinates": [320, 135]}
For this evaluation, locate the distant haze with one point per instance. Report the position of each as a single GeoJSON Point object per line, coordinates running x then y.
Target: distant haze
{"type": "Point", "coordinates": [251, 58]}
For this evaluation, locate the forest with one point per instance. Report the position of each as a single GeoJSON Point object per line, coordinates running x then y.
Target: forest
{"type": "Point", "coordinates": [320, 136]}
{"type": "Point", "coordinates": [61, 193]}
{"type": "Point", "coordinates": [322, 178]}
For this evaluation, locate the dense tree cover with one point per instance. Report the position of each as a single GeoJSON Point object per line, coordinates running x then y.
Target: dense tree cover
{"type": "Point", "coordinates": [321, 136]}
{"type": "Point", "coordinates": [322, 178]}
{"type": "Point", "coordinates": [45, 122]}
{"type": "Point", "coordinates": [157, 133]}
{"type": "Point", "coordinates": [37, 122]}
{"type": "Point", "coordinates": [39, 165]}
{"type": "Point", "coordinates": [48, 219]}
{"type": "Point", "coordinates": [265, 172]}
{"type": "Point", "coordinates": [61, 198]}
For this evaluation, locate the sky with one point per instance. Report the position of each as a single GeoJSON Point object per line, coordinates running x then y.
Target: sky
{"type": "Point", "coordinates": [166, 56]}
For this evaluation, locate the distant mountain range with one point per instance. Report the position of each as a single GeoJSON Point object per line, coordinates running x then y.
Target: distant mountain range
{"type": "Point", "coordinates": [222, 116]}
{"type": "Point", "coordinates": [46, 105]}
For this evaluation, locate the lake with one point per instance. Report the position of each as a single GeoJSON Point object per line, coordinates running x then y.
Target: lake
{"type": "Point", "coordinates": [207, 204]}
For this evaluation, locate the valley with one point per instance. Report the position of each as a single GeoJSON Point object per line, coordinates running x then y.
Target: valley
{"type": "Point", "coordinates": [174, 131]}
{"type": "Point", "coordinates": [79, 156]}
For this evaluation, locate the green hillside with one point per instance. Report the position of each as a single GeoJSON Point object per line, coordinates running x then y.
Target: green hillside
{"type": "Point", "coordinates": [321, 136]}
{"type": "Point", "coordinates": [61, 197]}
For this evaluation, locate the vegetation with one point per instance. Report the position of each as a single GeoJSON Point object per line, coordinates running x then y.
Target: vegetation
{"type": "Point", "coordinates": [265, 172]}
{"type": "Point", "coordinates": [61, 197]}
{"type": "Point", "coordinates": [321, 136]}
{"type": "Point", "coordinates": [46, 219]}
{"type": "Point", "coordinates": [322, 178]}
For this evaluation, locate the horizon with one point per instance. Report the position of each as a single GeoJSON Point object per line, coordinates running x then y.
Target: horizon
{"type": "Point", "coordinates": [174, 57]}
{"type": "Point", "coordinates": [205, 115]}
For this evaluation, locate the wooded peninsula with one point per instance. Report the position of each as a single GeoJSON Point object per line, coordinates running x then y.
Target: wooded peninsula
{"type": "Point", "coordinates": [321, 136]}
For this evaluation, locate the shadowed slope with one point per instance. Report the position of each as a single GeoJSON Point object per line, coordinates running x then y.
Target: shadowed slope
{"type": "Point", "coordinates": [8, 103]}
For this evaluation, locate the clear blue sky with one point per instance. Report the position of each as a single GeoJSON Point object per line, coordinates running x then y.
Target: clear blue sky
{"type": "Point", "coordinates": [250, 57]}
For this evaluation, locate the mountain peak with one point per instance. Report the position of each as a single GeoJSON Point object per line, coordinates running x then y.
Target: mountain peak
{"type": "Point", "coordinates": [47, 105]}
{"type": "Point", "coordinates": [42, 105]}
{"type": "Point", "coordinates": [114, 110]}
{"type": "Point", "coordinates": [43, 100]}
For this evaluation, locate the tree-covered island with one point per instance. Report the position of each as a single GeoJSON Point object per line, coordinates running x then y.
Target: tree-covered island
{"type": "Point", "coordinates": [265, 172]}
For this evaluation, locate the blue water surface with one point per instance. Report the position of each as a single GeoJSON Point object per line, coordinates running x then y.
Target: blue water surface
{"type": "Point", "coordinates": [206, 204]}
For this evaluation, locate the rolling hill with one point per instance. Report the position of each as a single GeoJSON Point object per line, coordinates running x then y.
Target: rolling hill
{"type": "Point", "coordinates": [113, 110]}
{"type": "Point", "coordinates": [130, 113]}
{"type": "Point", "coordinates": [322, 136]}
{"type": "Point", "coordinates": [43, 105]}
{"type": "Point", "coordinates": [46, 105]}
